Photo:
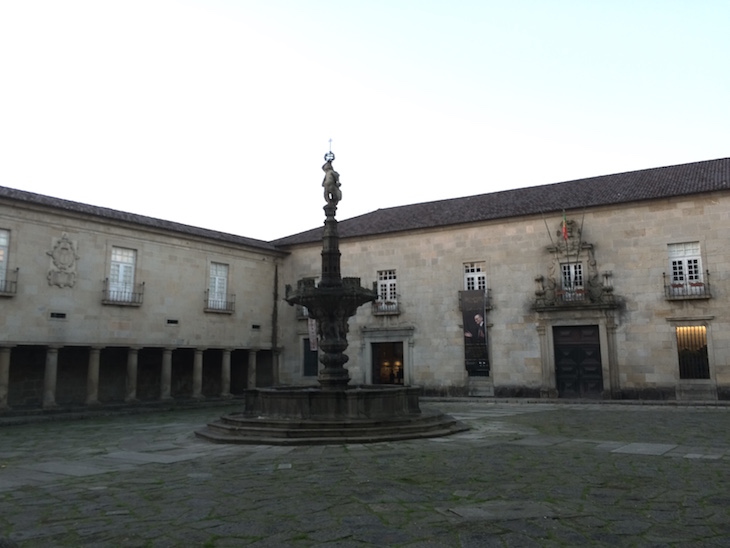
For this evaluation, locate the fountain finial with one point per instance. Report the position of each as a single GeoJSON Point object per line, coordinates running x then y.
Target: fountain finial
{"type": "Point", "coordinates": [331, 183]}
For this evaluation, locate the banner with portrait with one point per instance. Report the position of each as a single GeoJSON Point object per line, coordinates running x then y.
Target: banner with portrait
{"type": "Point", "coordinates": [476, 348]}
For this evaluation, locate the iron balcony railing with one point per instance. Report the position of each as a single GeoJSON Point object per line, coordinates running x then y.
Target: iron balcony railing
{"type": "Point", "coordinates": [123, 295]}
{"type": "Point", "coordinates": [9, 284]}
{"type": "Point", "coordinates": [385, 307]}
{"type": "Point", "coordinates": [568, 295]}
{"type": "Point", "coordinates": [225, 304]}
{"type": "Point", "coordinates": [675, 290]}
{"type": "Point", "coordinates": [597, 292]}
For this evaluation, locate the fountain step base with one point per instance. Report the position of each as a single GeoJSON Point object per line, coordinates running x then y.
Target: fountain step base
{"type": "Point", "coordinates": [237, 428]}
{"type": "Point", "coordinates": [310, 416]}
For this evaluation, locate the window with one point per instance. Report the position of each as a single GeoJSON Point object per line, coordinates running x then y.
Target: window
{"type": "Point", "coordinates": [121, 275]}
{"type": "Point", "coordinates": [4, 243]}
{"type": "Point", "coordinates": [572, 281]}
{"type": "Point", "coordinates": [692, 350]}
{"type": "Point", "coordinates": [475, 277]}
{"type": "Point", "coordinates": [685, 270]}
{"type": "Point", "coordinates": [387, 294]}
{"type": "Point", "coordinates": [218, 287]}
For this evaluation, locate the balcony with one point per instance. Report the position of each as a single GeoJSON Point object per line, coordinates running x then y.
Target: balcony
{"type": "Point", "coordinates": [386, 308]}
{"type": "Point", "coordinates": [596, 293]}
{"type": "Point", "coordinates": [9, 284]}
{"type": "Point", "coordinates": [680, 291]}
{"type": "Point", "coordinates": [221, 304]}
{"type": "Point", "coordinates": [123, 295]}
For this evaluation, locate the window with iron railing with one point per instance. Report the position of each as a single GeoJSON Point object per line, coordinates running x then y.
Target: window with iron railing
{"type": "Point", "coordinates": [686, 279]}
{"type": "Point", "coordinates": [572, 288]}
{"type": "Point", "coordinates": [387, 290]}
{"type": "Point", "coordinates": [217, 298]}
{"type": "Point", "coordinates": [119, 286]}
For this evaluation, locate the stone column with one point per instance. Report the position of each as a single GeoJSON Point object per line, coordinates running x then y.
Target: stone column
{"type": "Point", "coordinates": [226, 374]}
{"type": "Point", "coordinates": [166, 375]}
{"type": "Point", "coordinates": [198, 375]}
{"type": "Point", "coordinates": [49, 378]}
{"type": "Point", "coordinates": [92, 376]}
{"type": "Point", "coordinates": [251, 369]}
{"type": "Point", "coordinates": [4, 376]}
{"type": "Point", "coordinates": [132, 355]}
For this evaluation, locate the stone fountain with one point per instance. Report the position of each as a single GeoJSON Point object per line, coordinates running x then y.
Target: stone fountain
{"type": "Point", "coordinates": [334, 412]}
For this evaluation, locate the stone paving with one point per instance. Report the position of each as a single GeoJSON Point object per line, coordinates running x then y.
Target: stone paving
{"type": "Point", "coordinates": [526, 474]}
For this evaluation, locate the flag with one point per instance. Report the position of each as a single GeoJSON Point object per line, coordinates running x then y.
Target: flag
{"type": "Point", "coordinates": [565, 227]}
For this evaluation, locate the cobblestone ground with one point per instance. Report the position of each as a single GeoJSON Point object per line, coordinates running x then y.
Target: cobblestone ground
{"type": "Point", "coordinates": [524, 475]}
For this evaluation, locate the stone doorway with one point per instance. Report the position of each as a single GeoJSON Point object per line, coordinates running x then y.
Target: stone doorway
{"type": "Point", "coordinates": [387, 366]}
{"type": "Point", "coordinates": [578, 370]}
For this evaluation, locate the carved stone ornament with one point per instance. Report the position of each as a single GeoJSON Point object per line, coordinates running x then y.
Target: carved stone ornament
{"type": "Point", "coordinates": [63, 258]}
{"type": "Point", "coordinates": [574, 237]}
{"type": "Point", "coordinates": [595, 290]}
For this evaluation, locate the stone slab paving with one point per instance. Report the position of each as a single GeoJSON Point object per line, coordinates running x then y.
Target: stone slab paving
{"type": "Point", "coordinates": [537, 474]}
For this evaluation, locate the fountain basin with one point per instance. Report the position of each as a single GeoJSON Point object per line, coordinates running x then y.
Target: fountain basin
{"type": "Point", "coordinates": [306, 415]}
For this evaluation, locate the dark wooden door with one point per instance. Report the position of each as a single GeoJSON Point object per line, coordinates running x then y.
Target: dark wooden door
{"type": "Point", "coordinates": [578, 371]}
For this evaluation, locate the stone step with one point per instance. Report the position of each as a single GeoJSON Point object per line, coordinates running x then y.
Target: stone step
{"type": "Point", "coordinates": [241, 420]}
{"type": "Point", "coordinates": [287, 429]}
{"type": "Point", "coordinates": [331, 436]}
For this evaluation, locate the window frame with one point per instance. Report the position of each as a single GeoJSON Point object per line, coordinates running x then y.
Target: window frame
{"type": "Point", "coordinates": [122, 272]}
{"type": "Point", "coordinates": [387, 291]}
{"type": "Point", "coordinates": [572, 286]}
{"type": "Point", "coordinates": [217, 295]}
{"type": "Point", "coordinates": [475, 276]}
{"type": "Point", "coordinates": [686, 277]}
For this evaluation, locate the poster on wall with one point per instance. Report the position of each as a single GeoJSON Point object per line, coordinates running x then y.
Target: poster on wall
{"type": "Point", "coordinates": [476, 355]}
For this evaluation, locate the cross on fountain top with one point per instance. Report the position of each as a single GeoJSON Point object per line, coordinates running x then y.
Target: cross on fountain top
{"type": "Point", "coordinates": [328, 157]}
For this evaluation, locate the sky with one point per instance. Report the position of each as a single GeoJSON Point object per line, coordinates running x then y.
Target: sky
{"type": "Point", "coordinates": [217, 114]}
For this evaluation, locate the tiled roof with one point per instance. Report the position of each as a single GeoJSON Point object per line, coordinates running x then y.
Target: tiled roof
{"type": "Point", "coordinates": [632, 186]}
{"type": "Point", "coordinates": [112, 214]}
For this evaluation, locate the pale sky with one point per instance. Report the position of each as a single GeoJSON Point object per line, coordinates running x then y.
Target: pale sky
{"type": "Point", "coordinates": [218, 113]}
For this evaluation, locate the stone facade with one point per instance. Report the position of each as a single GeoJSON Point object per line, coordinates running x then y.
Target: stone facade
{"type": "Point", "coordinates": [67, 338]}
{"type": "Point", "coordinates": [636, 326]}
{"type": "Point", "coordinates": [643, 315]}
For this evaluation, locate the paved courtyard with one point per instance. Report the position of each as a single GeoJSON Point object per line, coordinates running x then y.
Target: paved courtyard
{"type": "Point", "coordinates": [526, 474]}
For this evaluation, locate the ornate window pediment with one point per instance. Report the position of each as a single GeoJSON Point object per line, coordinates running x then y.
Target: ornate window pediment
{"type": "Point", "coordinates": [573, 279]}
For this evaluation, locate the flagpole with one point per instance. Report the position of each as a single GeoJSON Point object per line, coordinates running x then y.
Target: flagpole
{"type": "Point", "coordinates": [554, 245]}
{"type": "Point", "coordinates": [580, 247]}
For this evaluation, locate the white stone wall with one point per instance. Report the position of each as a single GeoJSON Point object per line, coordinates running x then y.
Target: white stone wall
{"type": "Point", "coordinates": [629, 240]}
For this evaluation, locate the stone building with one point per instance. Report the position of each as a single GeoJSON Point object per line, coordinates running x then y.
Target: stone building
{"type": "Point", "coordinates": [102, 306]}
{"type": "Point", "coordinates": [607, 287]}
